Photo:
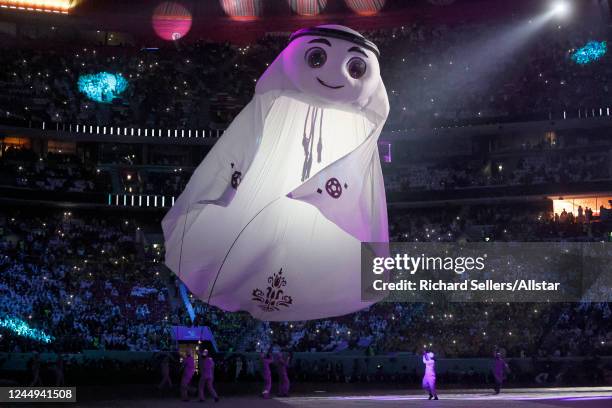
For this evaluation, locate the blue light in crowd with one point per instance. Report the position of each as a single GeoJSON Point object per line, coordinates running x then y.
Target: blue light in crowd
{"type": "Point", "coordinates": [21, 328]}
{"type": "Point", "coordinates": [591, 52]}
{"type": "Point", "coordinates": [102, 87]}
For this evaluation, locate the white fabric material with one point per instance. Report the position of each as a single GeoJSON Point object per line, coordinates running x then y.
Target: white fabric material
{"type": "Point", "coordinates": [285, 244]}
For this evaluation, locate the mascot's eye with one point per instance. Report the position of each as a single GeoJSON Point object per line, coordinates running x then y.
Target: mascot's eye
{"type": "Point", "coordinates": [356, 67]}
{"type": "Point", "coordinates": [316, 57]}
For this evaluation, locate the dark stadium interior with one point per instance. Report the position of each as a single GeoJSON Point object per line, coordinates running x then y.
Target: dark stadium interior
{"type": "Point", "coordinates": [479, 146]}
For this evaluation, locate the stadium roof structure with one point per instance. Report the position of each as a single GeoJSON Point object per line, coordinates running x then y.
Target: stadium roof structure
{"type": "Point", "coordinates": [219, 19]}
{"type": "Point", "coordinates": [49, 6]}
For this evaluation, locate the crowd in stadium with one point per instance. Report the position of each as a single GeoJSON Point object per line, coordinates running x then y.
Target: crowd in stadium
{"type": "Point", "coordinates": [62, 172]}
{"type": "Point", "coordinates": [529, 170]}
{"type": "Point", "coordinates": [97, 283]}
{"type": "Point", "coordinates": [97, 280]}
{"type": "Point", "coordinates": [90, 282]}
{"type": "Point", "coordinates": [428, 71]}
{"type": "Point", "coordinates": [56, 172]}
{"type": "Point", "coordinates": [65, 172]}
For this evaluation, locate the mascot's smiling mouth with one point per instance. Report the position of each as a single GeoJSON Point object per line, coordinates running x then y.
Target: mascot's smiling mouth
{"type": "Point", "coordinates": [329, 86]}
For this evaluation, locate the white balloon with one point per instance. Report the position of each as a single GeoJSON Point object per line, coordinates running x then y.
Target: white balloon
{"type": "Point", "coordinates": [272, 220]}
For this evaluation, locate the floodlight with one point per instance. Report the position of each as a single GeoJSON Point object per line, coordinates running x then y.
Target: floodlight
{"type": "Point", "coordinates": [561, 8]}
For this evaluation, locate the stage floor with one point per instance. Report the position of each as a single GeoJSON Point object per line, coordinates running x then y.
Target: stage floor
{"type": "Point", "coordinates": [511, 398]}
{"type": "Point", "coordinates": [519, 398]}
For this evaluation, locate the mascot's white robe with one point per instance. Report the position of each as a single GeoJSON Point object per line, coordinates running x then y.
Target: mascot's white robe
{"type": "Point", "coordinates": [271, 220]}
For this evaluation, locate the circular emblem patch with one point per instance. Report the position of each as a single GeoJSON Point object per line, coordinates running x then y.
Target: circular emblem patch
{"type": "Point", "coordinates": [333, 187]}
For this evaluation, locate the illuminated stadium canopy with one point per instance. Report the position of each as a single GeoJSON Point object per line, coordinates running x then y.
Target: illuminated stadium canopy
{"type": "Point", "coordinates": [365, 7]}
{"type": "Point", "coordinates": [171, 21]}
{"type": "Point", "coordinates": [51, 6]}
{"type": "Point", "coordinates": [307, 7]}
{"type": "Point", "coordinates": [240, 10]}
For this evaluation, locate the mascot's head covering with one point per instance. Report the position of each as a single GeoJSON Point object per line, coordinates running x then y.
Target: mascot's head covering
{"type": "Point", "coordinates": [330, 66]}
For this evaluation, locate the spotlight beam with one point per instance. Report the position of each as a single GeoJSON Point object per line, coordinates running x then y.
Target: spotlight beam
{"type": "Point", "coordinates": [476, 66]}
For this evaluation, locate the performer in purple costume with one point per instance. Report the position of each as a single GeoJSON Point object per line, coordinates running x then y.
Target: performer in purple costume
{"type": "Point", "coordinates": [266, 360]}
{"type": "Point", "coordinates": [429, 379]}
{"type": "Point", "coordinates": [283, 378]}
{"type": "Point", "coordinates": [188, 370]}
{"type": "Point", "coordinates": [207, 375]}
{"type": "Point", "coordinates": [500, 368]}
